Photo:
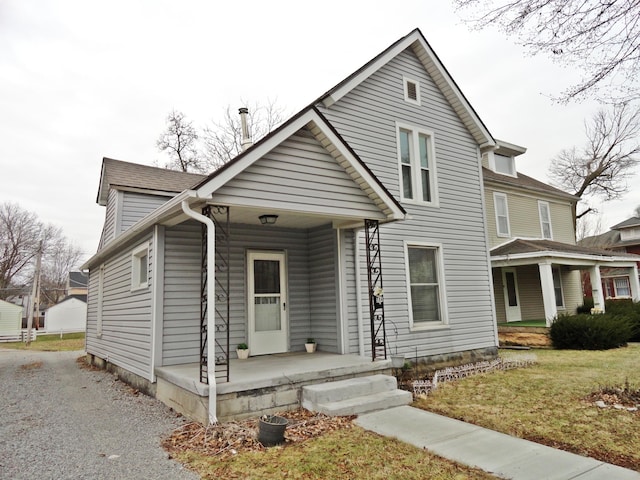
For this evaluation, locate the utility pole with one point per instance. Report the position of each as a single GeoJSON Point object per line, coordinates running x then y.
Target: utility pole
{"type": "Point", "coordinates": [35, 295]}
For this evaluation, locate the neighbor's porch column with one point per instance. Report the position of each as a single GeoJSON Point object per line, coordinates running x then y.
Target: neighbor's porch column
{"type": "Point", "coordinates": [635, 283]}
{"type": "Point", "coordinates": [596, 288]}
{"type": "Point", "coordinates": [548, 293]}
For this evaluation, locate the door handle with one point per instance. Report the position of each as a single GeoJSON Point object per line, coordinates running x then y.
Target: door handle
{"type": "Point", "coordinates": [284, 305]}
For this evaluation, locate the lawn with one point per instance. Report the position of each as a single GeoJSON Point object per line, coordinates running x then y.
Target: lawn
{"type": "Point", "coordinates": [524, 323]}
{"type": "Point", "coordinates": [547, 403]}
{"type": "Point", "coordinates": [51, 343]}
{"type": "Point", "coordinates": [341, 454]}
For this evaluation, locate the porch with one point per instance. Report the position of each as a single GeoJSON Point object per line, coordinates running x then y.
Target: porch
{"type": "Point", "coordinates": [259, 385]}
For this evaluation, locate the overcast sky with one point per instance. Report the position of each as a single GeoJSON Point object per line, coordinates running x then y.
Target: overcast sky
{"type": "Point", "coordinates": [81, 80]}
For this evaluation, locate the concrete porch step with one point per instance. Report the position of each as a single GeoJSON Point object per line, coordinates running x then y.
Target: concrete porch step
{"type": "Point", "coordinates": [354, 396]}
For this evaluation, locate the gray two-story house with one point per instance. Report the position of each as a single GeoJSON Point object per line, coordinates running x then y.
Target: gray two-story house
{"type": "Point", "coordinates": [360, 223]}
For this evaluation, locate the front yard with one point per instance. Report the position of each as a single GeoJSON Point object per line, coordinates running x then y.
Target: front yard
{"type": "Point", "coordinates": [51, 343]}
{"type": "Point", "coordinates": [550, 403]}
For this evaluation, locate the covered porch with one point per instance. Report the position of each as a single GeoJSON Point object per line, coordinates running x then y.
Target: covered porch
{"type": "Point", "coordinates": [259, 385]}
{"type": "Point", "coordinates": [541, 278]}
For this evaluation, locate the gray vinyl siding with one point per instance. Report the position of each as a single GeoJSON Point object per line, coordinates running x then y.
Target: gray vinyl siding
{"type": "Point", "coordinates": [109, 228]}
{"type": "Point", "coordinates": [136, 206]}
{"type": "Point", "coordinates": [302, 174]}
{"type": "Point", "coordinates": [322, 283]}
{"type": "Point", "coordinates": [498, 289]}
{"type": "Point", "coordinates": [306, 252]}
{"type": "Point", "coordinates": [572, 290]}
{"type": "Point", "coordinates": [126, 315]}
{"type": "Point", "coordinates": [181, 323]}
{"type": "Point", "coordinates": [366, 117]}
{"type": "Point", "coordinates": [530, 292]}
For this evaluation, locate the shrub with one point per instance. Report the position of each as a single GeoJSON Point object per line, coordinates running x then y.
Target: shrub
{"type": "Point", "coordinates": [591, 332]}
{"type": "Point", "coordinates": [629, 309]}
{"type": "Point", "coordinates": [586, 306]}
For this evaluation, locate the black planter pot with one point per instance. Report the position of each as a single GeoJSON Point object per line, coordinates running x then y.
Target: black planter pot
{"type": "Point", "coordinates": [271, 430]}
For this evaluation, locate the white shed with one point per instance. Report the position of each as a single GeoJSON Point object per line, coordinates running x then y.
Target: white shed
{"type": "Point", "coordinates": [10, 321]}
{"type": "Point", "coordinates": [70, 315]}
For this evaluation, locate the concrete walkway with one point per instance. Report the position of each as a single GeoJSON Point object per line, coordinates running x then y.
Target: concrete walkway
{"type": "Point", "coordinates": [496, 453]}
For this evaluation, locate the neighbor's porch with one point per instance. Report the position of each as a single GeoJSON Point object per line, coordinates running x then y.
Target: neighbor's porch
{"type": "Point", "coordinates": [258, 385]}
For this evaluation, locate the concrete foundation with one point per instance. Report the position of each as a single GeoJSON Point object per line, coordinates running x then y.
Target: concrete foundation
{"type": "Point", "coordinates": [435, 362]}
{"type": "Point", "coordinates": [136, 381]}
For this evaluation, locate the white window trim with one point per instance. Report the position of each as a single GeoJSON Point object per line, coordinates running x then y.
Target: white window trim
{"type": "Point", "coordinates": [497, 195]}
{"type": "Point", "coordinates": [136, 254]}
{"type": "Point", "coordinates": [100, 301]}
{"type": "Point", "coordinates": [548, 207]}
{"type": "Point", "coordinates": [444, 315]}
{"type": "Point", "coordinates": [405, 86]}
{"type": "Point", "coordinates": [615, 287]}
{"type": "Point", "coordinates": [415, 165]}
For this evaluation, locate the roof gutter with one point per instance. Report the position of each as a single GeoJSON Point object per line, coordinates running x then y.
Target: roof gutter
{"type": "Point", "coordinates": [147, 222]}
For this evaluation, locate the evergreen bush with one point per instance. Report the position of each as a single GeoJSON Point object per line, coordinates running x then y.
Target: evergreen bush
{"type": "Point", "coordinates": [591, 332]}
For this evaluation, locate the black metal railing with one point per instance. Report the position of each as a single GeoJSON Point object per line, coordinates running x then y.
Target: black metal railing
{"type": "Point", "coordinates": [376, 293]}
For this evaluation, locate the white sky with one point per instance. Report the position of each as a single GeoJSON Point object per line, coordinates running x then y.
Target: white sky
{"type": "Point", "coordinates": [80, 80]}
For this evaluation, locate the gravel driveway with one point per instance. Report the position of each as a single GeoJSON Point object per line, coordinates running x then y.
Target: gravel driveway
{"type": "Point", "coordinates": [58, 421]}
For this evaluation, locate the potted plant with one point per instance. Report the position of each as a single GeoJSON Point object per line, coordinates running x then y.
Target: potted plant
{"type": "Point", "coordinates": [310, 345]}
{"type": "Point", "coordinates": [242, 351]}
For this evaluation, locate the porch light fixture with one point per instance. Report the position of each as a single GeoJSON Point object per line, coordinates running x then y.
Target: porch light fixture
{"type": "Point", "coordinates": [268, 219]}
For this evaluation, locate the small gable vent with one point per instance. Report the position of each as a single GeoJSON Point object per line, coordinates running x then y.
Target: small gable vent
{"type": "Point", "coordinates": [411, 90]}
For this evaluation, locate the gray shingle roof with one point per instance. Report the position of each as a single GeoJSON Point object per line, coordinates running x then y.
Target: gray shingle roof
{"type": "Point", "coordinates": [526, 182]}
{"type": "Point", "coordinates": [519, 246]}
{"type": "Point", "coordinates": [604, 240]}
{"type": "Point", "coordinates": [116, 173]}
{"type": "Point", "coordinates": [629, 222]}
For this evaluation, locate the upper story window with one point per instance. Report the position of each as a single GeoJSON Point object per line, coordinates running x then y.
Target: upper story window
{"type": "Point", "coordinates": [502, 214]}
{"type": "Point", "coordinates": [140, 267]}
{"type": "Point", "coordinates": [545, 220]}
{"type": "Point", "coordinates": [426, 288]}
{"type": "Point", "coordinates": [411, 90]}
{"type": "Point", "coordinates": [504, 165]}
{"type": "Point", "coordinates": [417, 165]}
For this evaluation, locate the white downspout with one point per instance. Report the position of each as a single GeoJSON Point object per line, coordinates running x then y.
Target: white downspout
{"type": "Point", "coordinates": [356, 262]}
{"type": "Point", "coordinates": [211, 331]}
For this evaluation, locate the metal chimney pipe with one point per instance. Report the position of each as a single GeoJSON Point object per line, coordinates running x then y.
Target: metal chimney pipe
{"type": "Point", "coordinates": [246, 140]}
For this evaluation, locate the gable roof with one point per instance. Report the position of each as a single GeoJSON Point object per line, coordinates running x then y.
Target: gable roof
{"type": "Point", "coordinates": [116, 173]}
{"type": "Point", "coordinates": [604, 240]}
{"type": "Point", "coordinates": [525, 182]}
{"type": "Point", "coordinates": [327, 135]}
{"type": "Point", "coordinates": [432, 64]}
{"type": "Point", "coordinates": [629, 222]}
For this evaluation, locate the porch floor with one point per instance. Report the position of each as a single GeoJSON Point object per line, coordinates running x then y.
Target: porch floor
{"type": "Point", "coordinates": [273, 370]}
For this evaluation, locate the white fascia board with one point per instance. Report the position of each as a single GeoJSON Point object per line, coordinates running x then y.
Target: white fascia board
{"type": "Point", "coordinates": [253, 155]}
{"type": "Point", "coordinates": [257, 152]}
{"type": "Point", "coordinates": [157, 216]}
{"type": "Point", "coordinates": [360, 170]}
{"type": "Point", "coordinates": [370, 70]}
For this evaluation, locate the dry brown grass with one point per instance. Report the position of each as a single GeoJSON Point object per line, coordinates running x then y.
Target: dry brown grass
{"type": "Point", "coordinates": [550, 403]}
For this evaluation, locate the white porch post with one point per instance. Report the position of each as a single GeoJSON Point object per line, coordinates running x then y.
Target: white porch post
{"type": "Point", "coordinates": [635, 283]}
{"type": "Point", "coordinates": [596, 288]}
{"type": "Point", "coordinates": [548, 292]}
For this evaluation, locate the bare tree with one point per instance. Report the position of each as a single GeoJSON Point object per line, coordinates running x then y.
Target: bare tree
{"type": "Point", "coordinates": [20, 232]}
{"type": "Point", "coordinates": [601, 38]}
{"type": "Point", "coordinates": [603, 166]}
{"type": "Point", "coordinates": [61, 257]}
{"type": "Point", "coordinates": [223, 140]}
{"type": "Point", "coordinates": [589, 226]}
{"type": "Point", "coordinates": [636, 212]}
{"type": "Point", "coordinates": [180, 142]}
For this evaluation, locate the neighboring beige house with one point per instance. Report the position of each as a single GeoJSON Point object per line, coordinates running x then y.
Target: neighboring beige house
{"type": "Point", "coordinates": [535, 261]}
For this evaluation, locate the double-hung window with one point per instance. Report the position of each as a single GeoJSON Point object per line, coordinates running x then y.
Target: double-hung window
{"type": "Point", "coordinates": [426, 289]}
{"type": "Point", "coordinates": [417, 165]}
{"type": "Point", "coordinates": [557, 287]}
{"type": "Point", "coordinates": [502, 214]}
{"type": "Point", "coordinates": [140, 267]}
{"type": "Point", "coordinates": [545, 220]}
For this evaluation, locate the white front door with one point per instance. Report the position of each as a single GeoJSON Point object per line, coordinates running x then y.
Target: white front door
{"type": "Point", "coordinates": [267, 302]}
{"type": "Point", "coordinates": [511, 297]}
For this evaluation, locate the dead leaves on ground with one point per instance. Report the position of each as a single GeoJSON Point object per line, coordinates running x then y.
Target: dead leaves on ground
{"type": "Point", "coordinates": [227, 439]}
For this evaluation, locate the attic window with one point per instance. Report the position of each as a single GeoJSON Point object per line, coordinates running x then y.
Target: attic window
{"type": "Point", "coordinates": [140, 267]}
{"type": "Point", "coordinates": [411, 90]}
{"type": "Point", "coordinates": [505, 165]}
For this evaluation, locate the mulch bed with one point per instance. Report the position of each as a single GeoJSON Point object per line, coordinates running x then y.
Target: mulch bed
{"type": "Point", "coordinates": [228, 439]}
